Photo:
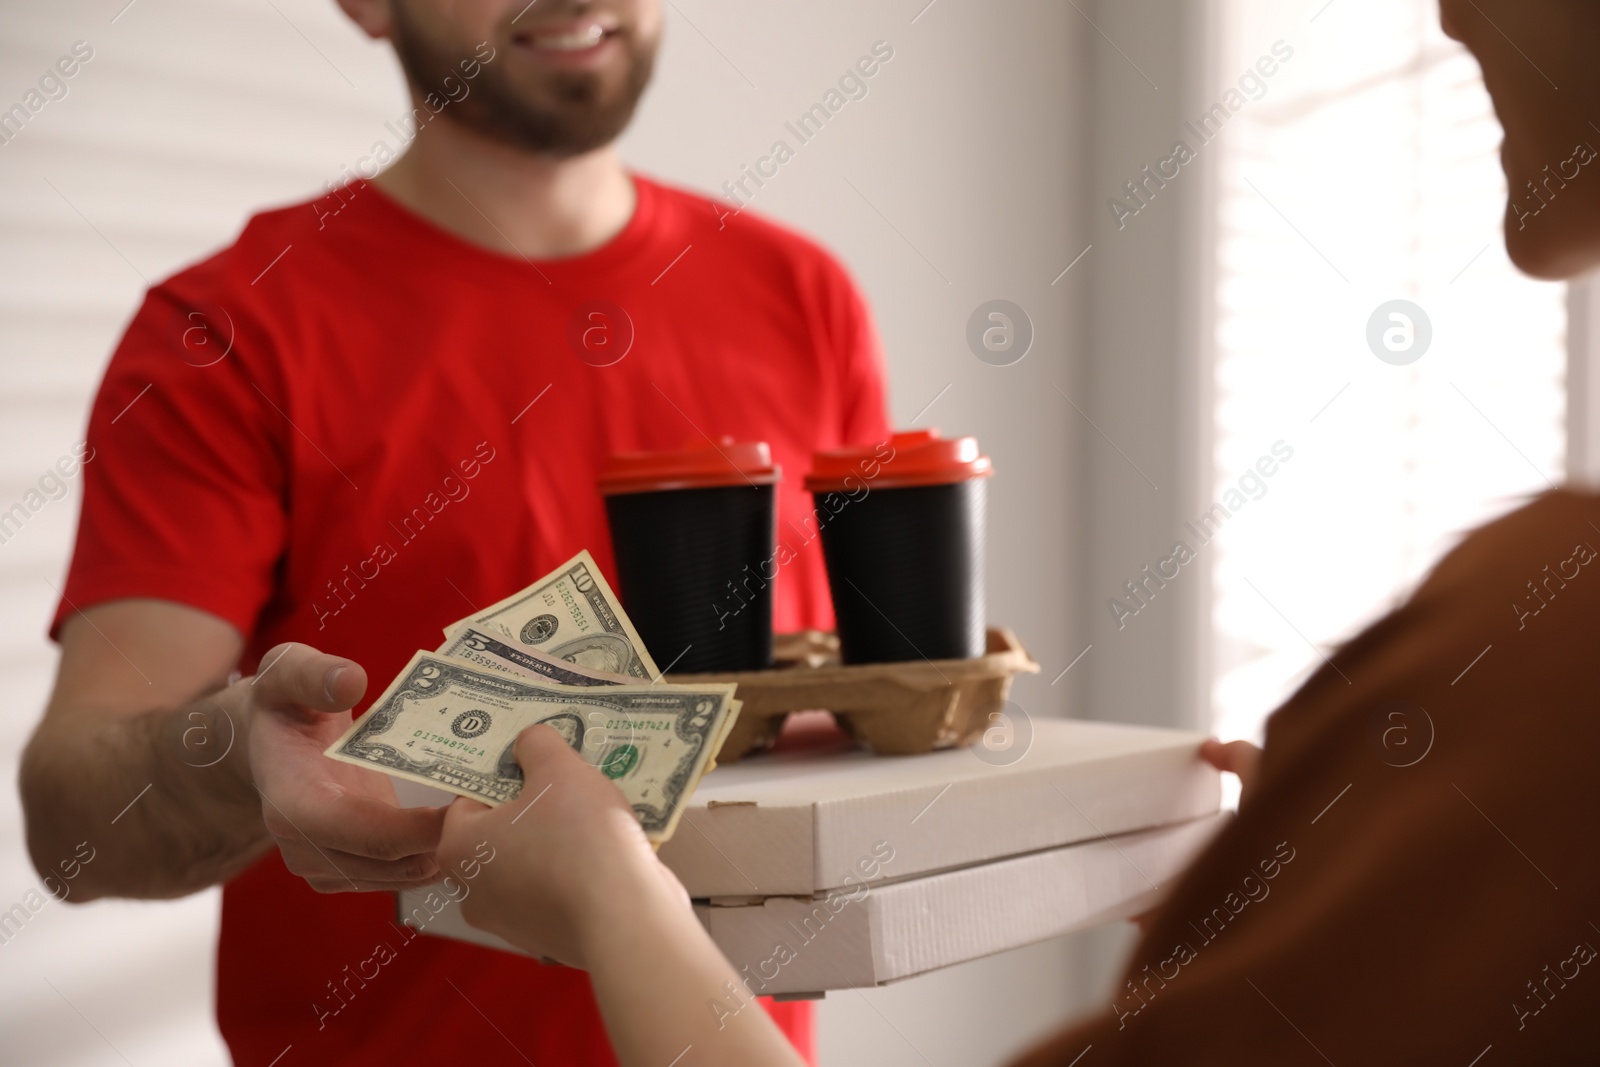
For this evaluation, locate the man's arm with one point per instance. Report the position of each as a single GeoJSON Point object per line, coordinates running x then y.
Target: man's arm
{"type": "Point", "coordinates": [177, 780]}
{"type": "Point", "coordinates": [127, 720]}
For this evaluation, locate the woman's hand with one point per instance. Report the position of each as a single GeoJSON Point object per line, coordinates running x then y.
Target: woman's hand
{"type": "Point", "coordinates": [572, 878]}
{"type": "Point", "coordinates": [569, 856]}
{"type": "Point", "coordinates": [1236, 757]}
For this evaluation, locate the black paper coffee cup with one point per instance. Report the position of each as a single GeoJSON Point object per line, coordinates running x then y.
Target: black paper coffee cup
{"type": "Point", "coordinates": [693, 533]}
{"type": "Point", "coordinates": [903, 535]}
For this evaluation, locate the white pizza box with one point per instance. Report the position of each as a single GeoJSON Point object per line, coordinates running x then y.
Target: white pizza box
{"type": "Point", "coordinates": [887, 932]}
{"type": "Point", "coordinates": [873, 934]}
{"type": "Point", "coordinates": [806, 821]}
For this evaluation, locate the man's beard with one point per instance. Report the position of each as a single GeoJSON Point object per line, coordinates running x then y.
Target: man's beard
{"type": "Point", "coordinates": [570, 113]}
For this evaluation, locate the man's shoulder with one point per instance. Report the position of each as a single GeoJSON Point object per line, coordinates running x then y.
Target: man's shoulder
{"type": "Point", "coordinates": [243, 299]}
{"type": "Point", "coordinates": [269, 240]}
{"type": "Point", "coordinates": [746, 233]}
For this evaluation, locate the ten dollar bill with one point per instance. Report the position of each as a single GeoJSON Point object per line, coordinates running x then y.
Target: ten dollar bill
{"type": "Point", "coordinates": [571, 614]}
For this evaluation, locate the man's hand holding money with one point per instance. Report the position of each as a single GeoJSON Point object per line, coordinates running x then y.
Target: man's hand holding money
{"type": "Point", "coordinates": [337, 826]}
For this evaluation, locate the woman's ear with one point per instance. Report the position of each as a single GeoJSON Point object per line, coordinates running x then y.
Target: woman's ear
{"type": "Point", "coordinates": [373, 16]}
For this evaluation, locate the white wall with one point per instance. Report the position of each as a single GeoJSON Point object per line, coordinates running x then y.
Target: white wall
{"type": "Point", "coordinates": [1141, 441]}
{"type": "Point", "coordinates": [189, 116]}
{"type": "Point", "coordinates": [967, 187]}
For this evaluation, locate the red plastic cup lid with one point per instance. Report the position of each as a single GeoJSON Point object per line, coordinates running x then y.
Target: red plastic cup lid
{"type": "Point", "coordinates": [909, 458]}
{"type": "Point", "coordinates": [699, 464]}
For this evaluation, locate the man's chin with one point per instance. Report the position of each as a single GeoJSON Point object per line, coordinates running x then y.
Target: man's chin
{"type": "Point", "coordinates": [564, 113]}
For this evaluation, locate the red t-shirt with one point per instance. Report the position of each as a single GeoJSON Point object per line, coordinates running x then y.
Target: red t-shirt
{"type": "Point", "coordinates": [351, 428]}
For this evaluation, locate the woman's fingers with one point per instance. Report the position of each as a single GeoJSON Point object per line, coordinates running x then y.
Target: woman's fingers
{"type": "Point", "coordinates": [460, 826]}
{"type": "Point", "coordinates": [541, 752]}
{"type": "Point", "coordinates": [1239, 757]}
{"type": "Point", "coordinates": [1236, 757]}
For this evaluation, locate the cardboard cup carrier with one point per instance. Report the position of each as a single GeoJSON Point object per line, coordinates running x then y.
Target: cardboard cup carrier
{"type": "Point", "coordinates": [685, 525]}
{"type": "Point", "coordinates": [903, 535]}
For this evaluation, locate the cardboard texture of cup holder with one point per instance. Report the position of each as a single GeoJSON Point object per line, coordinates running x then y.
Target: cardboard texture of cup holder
{"type": "Point", "coordinates": [896, 709]}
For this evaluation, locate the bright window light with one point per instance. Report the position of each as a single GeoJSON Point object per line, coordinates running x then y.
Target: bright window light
{"type": "Point", "coordinates": [1365, 173]}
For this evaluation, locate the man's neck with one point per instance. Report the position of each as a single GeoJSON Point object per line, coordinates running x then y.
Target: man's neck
{"type": "Point", "coordinates": [510, 200]}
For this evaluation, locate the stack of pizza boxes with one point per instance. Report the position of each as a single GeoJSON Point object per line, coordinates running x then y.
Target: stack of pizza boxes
{"type": "Point", "coordinates": [826, 866]}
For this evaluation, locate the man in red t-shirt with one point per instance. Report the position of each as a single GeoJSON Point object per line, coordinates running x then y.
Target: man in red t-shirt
{"type": "Point", "coordinates": [370, 415]}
